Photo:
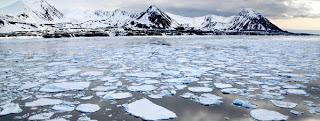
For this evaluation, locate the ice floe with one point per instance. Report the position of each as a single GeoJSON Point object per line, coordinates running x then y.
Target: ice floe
{"type": "Point", "coordinates": [294, 112]}
{"type": "Point", "coordinates": [41, 116]}
{"type": "Point", "coordinates": [65, 86]}
{"type": "Point", "coordinates": [231, 91]}
{"type": "Point", "coordinates": [284, 104]}
{"type": "Point", "coordinates": [43, 102]}
{"type": "Point", "coordinates": [63, 107]}
{"type": "Point", "coordinates": [267, 115]}
{"type": "Point", "coordinates": [244, 103]}
{"type": "Point", "coordinates": [222, 85]}
{"type": "Point", "coordinates": [152, 112]}
{"type": "Point", "coordinates": [92, 73]}
{"type": "Point", "coordinates": [10, 108]}
{"type": "Point", "coordinates": [118, 96]}
{"type": "Point", "coordinates": [200, 89]}
{"type": "Point", "coordinates": [209, 99]}
{"type": "Point", "coordinates": [87, 108]}
{"type": "Point", "coordinates": [142, 88]}
{"type": "Point", "coordinates": [296, 91]}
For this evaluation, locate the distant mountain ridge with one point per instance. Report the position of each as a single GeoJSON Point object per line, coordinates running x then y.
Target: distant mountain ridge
{"type": "Point", "coordinates": [41, 13]}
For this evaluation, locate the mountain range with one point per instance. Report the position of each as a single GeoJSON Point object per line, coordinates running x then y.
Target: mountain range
{"type": "Point", "coordinates": [32, 15]}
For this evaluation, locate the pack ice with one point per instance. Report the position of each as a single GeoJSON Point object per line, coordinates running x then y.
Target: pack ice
{"type": "Point", "coordinates": [147, 110]}
{"type": "Point", "coordinates": [267, 115]}
{"type": "Point", "coordinates": [65, 86]}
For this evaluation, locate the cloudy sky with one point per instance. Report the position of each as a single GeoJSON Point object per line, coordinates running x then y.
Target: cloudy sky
{"type": "Point", "coordinates": [289, 14]}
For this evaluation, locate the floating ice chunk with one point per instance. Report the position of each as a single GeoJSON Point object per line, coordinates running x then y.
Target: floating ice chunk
{"type": "Point", "coordinates": [153, 112]}
{"type": "Point", "coordinates": [63, 107]}
{"type": "Point", "coordinates": [283, 104]}
{"type": "Point", "coordinates": [267, 115]}
{"type": "Point", "coordinates": [86, 98]}
{"type": "Point", "coordinates": [29, 85]}
{"type": "Point", "coordinates": [88, 108]}
{"type": "Point", "coordinates": [43, 102]}
{"type": "Point", "coordinates": [151, 81]}
{"type": "Point", "coordinates": [188, 95]}
{"type": "Point", "coordinates": [10, 108]}
{"type": "Point", "coordinates": [296, 91]}
{"type": "Point", "coordinates": [118, 96]}
{"type": "Point", "coordinates": [57, 119]}
{"type": "Point", "coordinates": [209, 99]}
{"type": "Point", "coordinates": [287, 86]}
{"type": "Point", "coordinates": [65, 86]}
{"type": "Point", "coordinates": [244, 103]}
{"type": "Point", "coordinates": [200, 89]}
{"type": "Point", "coordinates": [231, 91]}
{"type": "Point", "coordinates": [85, 118]}
{"type": "Point", "coordinates": [69, 72]}
{"type": "Point", "coordinates": [294, 112]}
{"type": "Point", "coordinates": [142, 88]}
{"type": "Point", "coordinates": [41, 116]}
{"type": "Point", "coordinates": [145, 74]}
{"type": "Point", "coordinates": [180, 80]}
{"type": "Point", "coordinates": [92, 73]}
{"type": "Point", "coordinates": [179, 87]}
{"type": "Point", "coordinates": [103, 88]}
{"type": "Point", "coordinates": [156, 96]}
{"type": "Point", "coordinates": [222, 85]}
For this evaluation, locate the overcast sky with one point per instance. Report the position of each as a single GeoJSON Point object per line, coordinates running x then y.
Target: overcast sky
{"type": "Point", "coordinates": [280, 11]}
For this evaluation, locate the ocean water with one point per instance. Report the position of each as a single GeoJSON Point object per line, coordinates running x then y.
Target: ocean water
{"type": "Point", "coordinates": [160, 69]}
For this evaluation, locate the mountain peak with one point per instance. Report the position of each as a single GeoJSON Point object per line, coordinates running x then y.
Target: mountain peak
{"type": "Point", "coordinates": [249, 12]}
{"type": "Point", "coordinates": [153, 8]}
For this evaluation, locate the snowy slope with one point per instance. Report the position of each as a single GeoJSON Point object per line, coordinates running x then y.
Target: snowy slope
{"type": "Point", "coordinates": [33, 11]}
{"type": "Point", "coordinates": [248, 19]}
{"type": "Point", "coordinates": [153, 17]}
{"type": "Point", "coordinates": [11, 24]}
{"type": "Point", "coordinates": [116, 18]}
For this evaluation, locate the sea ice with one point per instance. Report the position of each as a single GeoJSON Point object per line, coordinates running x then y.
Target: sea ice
{"type": "Point", "coordinates": [284, 104]}
{"type": "Point", "coordinates": [209, 99]}
{"type": "Point", "coordinates": [65, 86]}
{"type": "Point", "coordinates": [188, 95]}
{"type": "Point", "coordinates": [103, 88]}
{"type": "Point", "coordinates": [43, 102]}
{"type": "Point", "coordinates": [244, 103]}
{"type": "Point", "coordinates": [294, 112]}
{"type": "Point", "coordinates": [222, 85]}
{"type": "Point", "coordinates": [41, 116]}
{"type": "Point", "coordinates": [92, 73]}
{"type": "Point", "coordinates": [200, 89]}
{"type": "Point", "coordinates": [10, 108]}
{"type": "Point", "coordinates": [86, 98]}
{"type": "Point", "coordinates": [267, 115]}
{"type": "Point", "coordinates": [69, 72]}
{"type": "Point", "coordinates": [63, 107]}
{"type": "Point", "coordinates": [88, 108]}
{"type": "Point", "coordinates": [142, 88]}
{"type": "Point", "coordinates": [231, 91]}
{"type": "Point", "coordinates": [296, 91]}
{"type": "Point", "coordinates": [118, 96]}
{"type": "Point", "coordinates": [152, 112]}
{"type": "Point", "coordinates": [57, 119]}
{"type": "Point", "coordinates": [29, 85]}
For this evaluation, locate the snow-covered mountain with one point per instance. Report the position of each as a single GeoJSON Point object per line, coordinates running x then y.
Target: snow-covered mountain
{"type": "Point", "coordinates": [250, 20]}
{"type": "Point", "coordinates": [153, 17]}
{"type": "Point", "coordinates": [40, 13]}
{"type": "Point", "coordinates": [116, 18]}
{"type": "Point", "coordinates": [33, 11]}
